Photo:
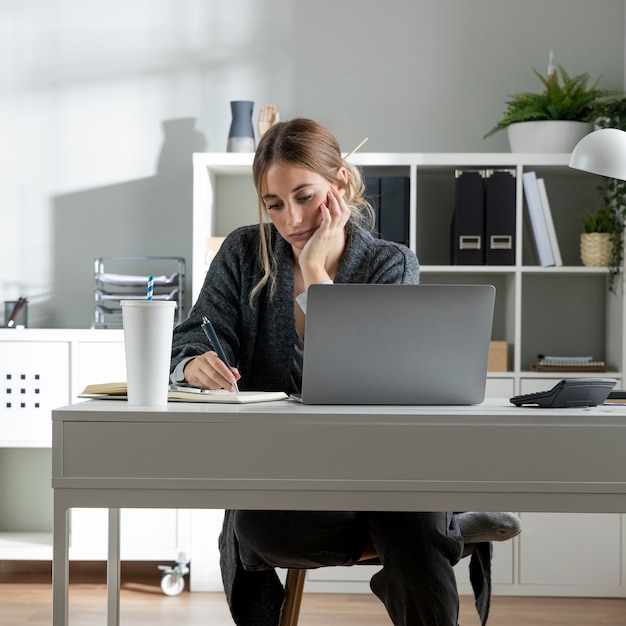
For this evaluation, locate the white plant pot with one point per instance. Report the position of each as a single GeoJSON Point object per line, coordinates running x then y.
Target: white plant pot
{"type": "Point", "coordinates": [556, 136]}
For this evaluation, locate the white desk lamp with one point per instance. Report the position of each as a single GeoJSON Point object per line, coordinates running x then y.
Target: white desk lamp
{"type": "Point", "coordinates": [601, 152]}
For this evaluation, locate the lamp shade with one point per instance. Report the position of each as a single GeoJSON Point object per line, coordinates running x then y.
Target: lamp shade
{"type": "Point", "coordinates": [601, 152]}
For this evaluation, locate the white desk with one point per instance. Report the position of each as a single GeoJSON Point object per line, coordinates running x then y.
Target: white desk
{"type": "Point", "coordinates": [286, 455]}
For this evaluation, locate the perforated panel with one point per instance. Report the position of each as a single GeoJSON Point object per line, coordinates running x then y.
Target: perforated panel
{"type": "Point", "coordinates": [35, 379]}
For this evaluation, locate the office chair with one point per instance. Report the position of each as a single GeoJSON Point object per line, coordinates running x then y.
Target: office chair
{"type": "Point", "coordinates": [480, 578]}
{"type": "Point", "coordinates": [294, 586]}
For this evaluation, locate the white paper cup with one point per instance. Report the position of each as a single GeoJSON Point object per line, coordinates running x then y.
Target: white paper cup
{"type": "Point", "coordinates": [148, 326]}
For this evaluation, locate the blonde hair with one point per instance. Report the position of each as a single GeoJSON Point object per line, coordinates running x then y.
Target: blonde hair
{"type": "Point", "coordinates": [307, 144]}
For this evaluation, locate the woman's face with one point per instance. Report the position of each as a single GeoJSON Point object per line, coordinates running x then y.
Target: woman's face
{"type": "Point", "coordinates": [292, 199]}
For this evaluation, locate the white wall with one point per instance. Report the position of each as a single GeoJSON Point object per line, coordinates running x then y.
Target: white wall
{"type": "Point", "coordinates": [102, 105]}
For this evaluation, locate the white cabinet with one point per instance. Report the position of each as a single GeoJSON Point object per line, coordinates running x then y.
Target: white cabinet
{"type": "Point", "coordinates": [581, 553]}
{"type": "Point", "coordinates": [539, 310]}
{"type": "Point", "coordinates": [43, 369]}
{"type": "Point", "coordinates": [35, 380]}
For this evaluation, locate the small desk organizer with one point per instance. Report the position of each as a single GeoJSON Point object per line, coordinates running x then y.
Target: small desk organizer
{"type": "Point", "coordinates": [111, 288]}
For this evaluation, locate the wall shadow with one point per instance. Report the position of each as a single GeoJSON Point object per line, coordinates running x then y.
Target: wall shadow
{"type": "Point", "coordinates": [144, 217]}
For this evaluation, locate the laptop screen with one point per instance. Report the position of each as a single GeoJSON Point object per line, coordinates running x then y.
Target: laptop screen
{"type": "Point", "coordinates": [397, 344]}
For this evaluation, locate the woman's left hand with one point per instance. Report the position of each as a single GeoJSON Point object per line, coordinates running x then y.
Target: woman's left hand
{"type": "Point", "coordinates": [329, 238]}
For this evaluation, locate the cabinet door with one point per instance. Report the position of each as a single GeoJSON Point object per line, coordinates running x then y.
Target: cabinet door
{"type": "Point", "coordinates": [500, 387]}
{"type": "Point", "coordinates": [578, 549]}
{"type": "Point", "coordinates": [145, 534]}
{"type": "Point", "coordinates": [35, 380]}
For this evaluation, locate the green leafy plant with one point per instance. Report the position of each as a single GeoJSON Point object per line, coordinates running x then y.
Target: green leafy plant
{"type": "Point", "coordinates": [564, 97]}
{"type": "Point", "coordinates": [612, 192]}
{"type": "Point", "coordinates": [598, 221]}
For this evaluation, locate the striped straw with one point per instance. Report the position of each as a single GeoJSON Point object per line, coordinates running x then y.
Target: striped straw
{"type": "Point", "coordinates": [150, 291]}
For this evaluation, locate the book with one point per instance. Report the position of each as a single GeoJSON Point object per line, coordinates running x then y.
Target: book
{"type": "Point", "coordinates": [547, 213]}
{"type": "Point", "coordinates": [567, 364]}
{"type": "Point", "coordinates": [539, 229]}
{"type": "Point", "coordinates": [117, 391]}
{"type": "Point", "coordinates": [546, 358]}
{"type": "Point", "coordinates": [592, 367]}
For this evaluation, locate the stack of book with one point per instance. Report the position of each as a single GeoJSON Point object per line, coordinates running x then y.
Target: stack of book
{"type": "Point", "coordinates": [567, 364]}
{"type": "Point", "coordinates": [543, 234]}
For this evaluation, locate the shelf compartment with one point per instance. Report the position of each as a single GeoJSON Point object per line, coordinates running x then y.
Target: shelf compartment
{"type": "Point", "coordinates": [557, 319]}
{"type": "Point", "coordinates": [569, 194]}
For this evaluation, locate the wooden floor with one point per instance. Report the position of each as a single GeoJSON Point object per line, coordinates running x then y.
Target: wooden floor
{"type": "Point", "coordinates": [145, 605]}
{"type": "Point", "coordinates": [26, 600]}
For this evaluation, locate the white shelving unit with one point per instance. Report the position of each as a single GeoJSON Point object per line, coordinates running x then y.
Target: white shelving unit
{"type": "Point", "coordinates": [560, 310]}
{"type": "Point", "coordinates": [555, 310]}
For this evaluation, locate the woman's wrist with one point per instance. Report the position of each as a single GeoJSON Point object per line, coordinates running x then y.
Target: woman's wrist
{"type": "Point", "coordinates": [313, 272]}
{"type": "Point", "coordinates": [301, 298]}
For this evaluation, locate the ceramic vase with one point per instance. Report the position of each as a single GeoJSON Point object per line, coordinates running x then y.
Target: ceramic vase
{"type": "Point", "coordinates": [241, 134]}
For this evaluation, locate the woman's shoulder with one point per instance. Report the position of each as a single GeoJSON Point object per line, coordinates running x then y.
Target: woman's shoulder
{"type": "Point", "coordinates": [370, 259]}
{"type": "Point", "coordinates": [241, 240]}
{"type": "Point", "coordinates": [243, 234]}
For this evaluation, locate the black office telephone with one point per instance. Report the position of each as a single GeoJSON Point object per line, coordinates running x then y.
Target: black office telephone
{"type": "Point", "coordinates": [569, 392]}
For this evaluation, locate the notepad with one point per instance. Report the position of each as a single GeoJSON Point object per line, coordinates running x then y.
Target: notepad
{"type": "Point", "coordinates": [117, 391]}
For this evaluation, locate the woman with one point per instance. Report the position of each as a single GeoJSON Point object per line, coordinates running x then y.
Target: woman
{"type": "Point", "coordinates": [317, 231]}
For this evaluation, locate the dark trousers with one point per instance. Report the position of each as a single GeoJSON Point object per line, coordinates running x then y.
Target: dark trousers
{"type": "Point", "coordinates": [417, 551]}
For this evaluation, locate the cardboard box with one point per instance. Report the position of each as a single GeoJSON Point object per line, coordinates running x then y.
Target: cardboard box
{"type": "Point", "coordinates": [498, 357]}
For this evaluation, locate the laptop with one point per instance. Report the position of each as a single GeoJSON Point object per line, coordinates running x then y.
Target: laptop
{"type": "Point", "coordinates": [397, 344]}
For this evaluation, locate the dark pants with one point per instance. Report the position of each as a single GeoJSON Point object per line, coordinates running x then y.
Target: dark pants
{"type": "Point", "coordinates": [417, 550]}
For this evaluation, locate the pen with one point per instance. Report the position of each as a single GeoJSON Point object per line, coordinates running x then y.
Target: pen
{"type": "Point", "coordinates": [209, 331]}
{"type": "Point", "coordinates": [19, 305]}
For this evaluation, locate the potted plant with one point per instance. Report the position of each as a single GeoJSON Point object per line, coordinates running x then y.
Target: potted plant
{"type": "Point", "coordinates": [595, 240]}
{"type": "Point", "coordinates": [567, 102]}
{"type": "Point", "coordinates": [601, 243]}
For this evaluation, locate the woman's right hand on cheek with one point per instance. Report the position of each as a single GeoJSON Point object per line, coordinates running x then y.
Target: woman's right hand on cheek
{"type": "Point", "coordinates": [330, 233]}
{"type": "Point", "coordinates": [208, 371]}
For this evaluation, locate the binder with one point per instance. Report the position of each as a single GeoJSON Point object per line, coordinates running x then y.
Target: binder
{"type": "Point", "coordinates": [500, 217]}
{"type": "Point", "coordinates": [539, 229]}
{"type": "Point", "coordinates": [372, 186]}
{"type": "Point", "coordinates": [468, 221]}
{"type": "Point", "coordinates": [394, 209]}
{"type": "Point", "coordinates": [547, 213]}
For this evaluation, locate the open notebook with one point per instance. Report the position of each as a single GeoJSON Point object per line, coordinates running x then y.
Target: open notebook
{"type": "Point", "coordinates": [117, 391]}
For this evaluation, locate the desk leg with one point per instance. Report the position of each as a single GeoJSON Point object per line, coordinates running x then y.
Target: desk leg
{"type": "Point", "coordinates": [60, 565]}
{"type": "Point", "coordinates": [113, 569]}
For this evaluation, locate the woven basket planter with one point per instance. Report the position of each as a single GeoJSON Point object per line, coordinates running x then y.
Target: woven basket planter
{"type": "Point", "coordinates": [595, 249]}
